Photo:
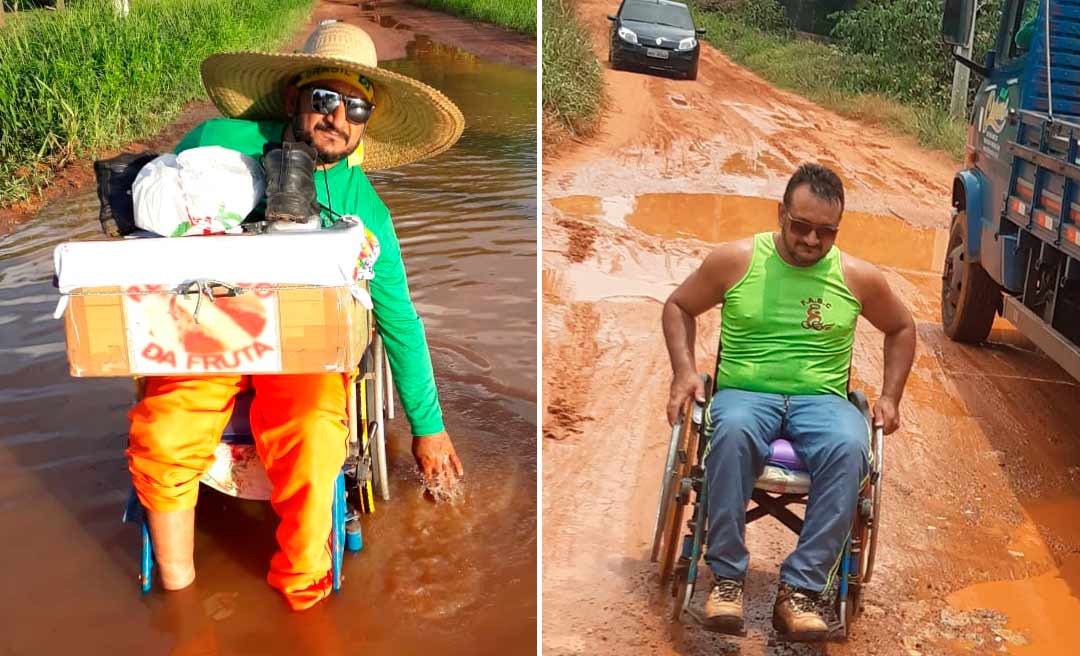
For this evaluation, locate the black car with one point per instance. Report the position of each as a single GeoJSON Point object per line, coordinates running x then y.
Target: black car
{"type": "Point", "coordinates": [655, 34]}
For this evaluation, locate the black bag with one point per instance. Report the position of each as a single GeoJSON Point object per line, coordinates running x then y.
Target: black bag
{"type": "Point", "coordinates": [115, 176]}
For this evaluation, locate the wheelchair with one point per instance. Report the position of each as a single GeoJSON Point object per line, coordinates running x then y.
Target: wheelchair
{"type": "Point", "coordinates": [785, 481]}
{"type": "Point", "coordinates": [238, 472]}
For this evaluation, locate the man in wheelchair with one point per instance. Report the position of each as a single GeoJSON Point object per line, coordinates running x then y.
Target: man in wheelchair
{"type": "Point", "coordinates": [316, 108]}
{"type": "Point", "coordinates": [791, 301]}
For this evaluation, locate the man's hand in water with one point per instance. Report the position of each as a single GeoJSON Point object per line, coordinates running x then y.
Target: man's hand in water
{"type": "Point", "coordinates": [436, 458]}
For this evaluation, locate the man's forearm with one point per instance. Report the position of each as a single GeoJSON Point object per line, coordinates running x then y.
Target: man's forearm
{"type": "Point", "coordinates": [680, 331]}
{"type": "Point", "coordinates": [899, 356]}
{"type": "Point", "coordinates": [410, 362]}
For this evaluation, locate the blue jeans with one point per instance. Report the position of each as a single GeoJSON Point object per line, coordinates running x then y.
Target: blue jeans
{"type": "Point", "coordinates": [831, 437]}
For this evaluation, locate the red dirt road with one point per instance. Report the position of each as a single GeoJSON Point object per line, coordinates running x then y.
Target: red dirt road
{"type": "Point", "coordinates": [980, 549]}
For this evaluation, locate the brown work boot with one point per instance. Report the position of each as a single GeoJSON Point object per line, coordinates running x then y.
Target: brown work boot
{"type": "Point", "coordinates": [723, 608]}
{"type": "Point", "coordinates": [797, 615]}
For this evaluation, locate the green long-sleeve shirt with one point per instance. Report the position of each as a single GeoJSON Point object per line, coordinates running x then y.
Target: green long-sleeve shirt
{"type": "Point", "coordinates": [350, 192]}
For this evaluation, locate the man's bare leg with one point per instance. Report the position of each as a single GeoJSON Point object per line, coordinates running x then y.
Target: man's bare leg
{"type": "Point", "coordinates": [173, 537]}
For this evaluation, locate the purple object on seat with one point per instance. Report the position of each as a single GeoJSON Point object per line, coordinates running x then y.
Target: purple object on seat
{"type": "Point", "coordinates": [781, 453]}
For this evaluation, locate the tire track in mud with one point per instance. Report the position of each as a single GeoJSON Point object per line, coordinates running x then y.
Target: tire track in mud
{"type": "Point", "coordinates": [979, 481]}
{"type": "Point", "coordinates": [564, 416]}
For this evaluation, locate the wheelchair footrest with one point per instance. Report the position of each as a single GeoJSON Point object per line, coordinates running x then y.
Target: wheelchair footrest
{"type": "Point", "coordinates": [725, 628]}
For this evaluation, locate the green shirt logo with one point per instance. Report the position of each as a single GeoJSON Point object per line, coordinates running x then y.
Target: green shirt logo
{"type": "Point", "coordinates": [813, 314]}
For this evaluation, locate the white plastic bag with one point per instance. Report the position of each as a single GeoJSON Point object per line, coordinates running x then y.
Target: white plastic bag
{"type": "Point", "coordinates": [202, 191]}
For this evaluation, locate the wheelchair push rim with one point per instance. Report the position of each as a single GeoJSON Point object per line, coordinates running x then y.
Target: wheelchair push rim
{"type": "Point", "coordinates": [667, 488]}
{"type": "Point", "coordinates": [679, 492]}
{"type": "Point", "coordinates": [859, 552]}
{"type": "Point", "coordinates": [875, 520]}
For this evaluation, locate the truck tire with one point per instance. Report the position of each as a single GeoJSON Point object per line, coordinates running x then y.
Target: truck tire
{"type": "Point", "coordinates": [969, 296]}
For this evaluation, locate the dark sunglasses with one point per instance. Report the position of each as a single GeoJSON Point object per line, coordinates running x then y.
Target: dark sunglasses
{"type": "Point", "coordinates": [803, 228]}
{"type": "Point", "coordinates": [325, 101]}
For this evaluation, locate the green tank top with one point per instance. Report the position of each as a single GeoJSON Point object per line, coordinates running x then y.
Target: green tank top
{"type": "Point", "coordinates": [787, 329]}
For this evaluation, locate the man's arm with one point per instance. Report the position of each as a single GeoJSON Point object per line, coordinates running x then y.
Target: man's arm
{"type": "Point", "coordinates": [883, 309]}
{"type": "Point", "coordinates": [702, 290]}
{"type": "Point", "coordinates": [404, 338]}
{"type": "Point", "coordinates": [410, 359]}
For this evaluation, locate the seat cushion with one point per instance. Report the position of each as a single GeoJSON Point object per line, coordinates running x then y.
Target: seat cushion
{"type": "Point", "coordinates": [785, 472]}
{"type": "Point", "coordinates": [237, 470]}
{"type": "Point", "coordinates": [782, 454]}
{"type": "Point", "coordinates": [783, 481]}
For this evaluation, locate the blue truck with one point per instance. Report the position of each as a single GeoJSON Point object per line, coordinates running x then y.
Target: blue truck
{"type": "Point", "coordinates": [1014, 241]}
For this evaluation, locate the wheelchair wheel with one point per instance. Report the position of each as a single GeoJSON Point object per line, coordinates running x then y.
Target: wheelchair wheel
{"type": "Point", "coordinates": [685, 458]}
{"type": "Point", "coordinates": [859, 555]}
{"type": "Point", "coordinates": [667, 490]}
{"type": "Point", "coordinates": [682, 590]}
{"type": "Point", "coordinates": [373, 428]}
{"type": "Point", "coordinates": [874, 523]}
{"type": "Point", "coordinates": [686, 569]}
{"type": "Point", "coordinates": [849, 592]}
{"type": "Point", "coordinates": [378, 451]}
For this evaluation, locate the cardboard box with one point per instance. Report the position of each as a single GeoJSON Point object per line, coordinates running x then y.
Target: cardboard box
{"type": "Point", "coordinates": [263, 329]}
{"type": "Point", "coordinates": [158, 306]}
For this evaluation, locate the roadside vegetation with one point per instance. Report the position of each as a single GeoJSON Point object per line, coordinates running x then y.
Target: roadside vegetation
{"type": "Point", "coordinates": [517, 15]}
{"type": "Point", "coordinates": [883, 61]}
{"type": "Point", "coordinates": [83, 80]}
{"type": "Point", "coordinates": [572, 85]}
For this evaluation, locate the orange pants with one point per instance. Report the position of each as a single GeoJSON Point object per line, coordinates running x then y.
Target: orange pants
{"type": "Point", "coordinates": [300, 426]}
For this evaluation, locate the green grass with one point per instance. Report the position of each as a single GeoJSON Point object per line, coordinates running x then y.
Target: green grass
{"type": "Point", "coordinates": [79, 81]}
{"type": "Point", "coordinates": [843, 82]}
{"type": "Point", "coordinates": [517, 15]}
{"type": "Point", "coordinates": [572, 85]}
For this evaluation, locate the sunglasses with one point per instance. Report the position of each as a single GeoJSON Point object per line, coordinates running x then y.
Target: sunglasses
{"type": "Point", "coordinates": [803, 228]}
{"type": "Point", "coordinates": [325, 101]}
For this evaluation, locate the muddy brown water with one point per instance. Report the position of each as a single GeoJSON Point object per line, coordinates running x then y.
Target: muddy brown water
{"type": "Point", "coordinates": [431, 579]}
{"type": "Point", "coordinates": [715, 218]}
{"type": "Point", "coordinates": [1041, 611]}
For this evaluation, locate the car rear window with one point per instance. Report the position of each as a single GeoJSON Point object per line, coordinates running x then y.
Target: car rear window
{"type": "Point", "coordinates": [648, 12]}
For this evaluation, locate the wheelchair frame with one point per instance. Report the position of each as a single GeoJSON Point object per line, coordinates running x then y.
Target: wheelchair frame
{"type": "Point", "coordinates": [684, 475]}
{"type": "Point", "coordinates": [364, 469]}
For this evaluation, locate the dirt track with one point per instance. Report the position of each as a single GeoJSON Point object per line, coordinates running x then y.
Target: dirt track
{"type": "Point", "coordinates": [982, 482]}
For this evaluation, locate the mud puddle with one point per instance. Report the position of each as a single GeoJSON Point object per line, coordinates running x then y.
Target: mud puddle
{"type": "Point", "coordinates": [1035, 615]}
{"type": "Point", "coordinates": [713, 218]}
{"type": "Point", "coordinates": [431, 578]}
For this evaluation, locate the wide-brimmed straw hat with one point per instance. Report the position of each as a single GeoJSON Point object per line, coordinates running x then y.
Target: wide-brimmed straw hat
{"type": "Point", "coordinates": [411, 121]}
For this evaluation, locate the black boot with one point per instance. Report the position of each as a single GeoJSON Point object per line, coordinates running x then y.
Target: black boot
{"type": "Point", "coordinates": [115, 177]}
{"type": "Point", "coordinates": [290, 183]}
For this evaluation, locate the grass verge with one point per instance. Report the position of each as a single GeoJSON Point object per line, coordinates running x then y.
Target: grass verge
{"type": "Point", "coordinates": [517, 15]}
{"type": "Point", "coordinates": [572, 86]}
{"type": "Point", "coordinates": [836, 80]}
{"type": "Point", "coordinates": [83, 80]}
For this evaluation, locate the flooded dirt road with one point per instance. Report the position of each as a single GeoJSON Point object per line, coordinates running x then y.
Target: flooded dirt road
{"type": "Point", "coordinates": [431, 579]}
{"type": "Point", "coordinates": [980, 552]}
{"type": "Point", "coordinates": [393, 24]}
